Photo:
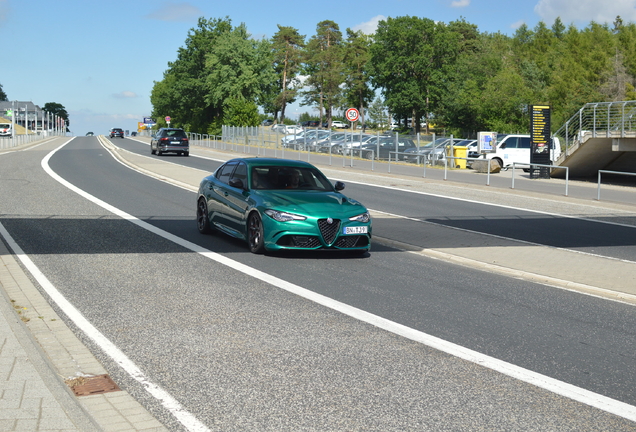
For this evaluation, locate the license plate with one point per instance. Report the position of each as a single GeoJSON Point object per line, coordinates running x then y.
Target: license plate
{"type": "Point", "coordinates": [355, 230]}
{"type": "Point", "coordinates": [175, 142]}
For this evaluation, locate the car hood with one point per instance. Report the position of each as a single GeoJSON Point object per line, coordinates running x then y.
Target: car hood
{"type": "Point", "coordinates": [312, 203]}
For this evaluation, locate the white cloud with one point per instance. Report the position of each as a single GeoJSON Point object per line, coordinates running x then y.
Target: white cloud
{"type": "Point", "coordinates": [584, 11]}
{"type": "Point", "coordinates": [169, 11]}
{"type": "Point", "coordinates": [125, 95]}
{"type": "Point", "coordinates": [516, 25]}
{"type": "Point", "coordinates": [460, 3]}
{"type": "Point", "coordinates": [370, 26]}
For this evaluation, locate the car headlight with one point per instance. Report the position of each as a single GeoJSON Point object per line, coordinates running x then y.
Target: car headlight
{"type": "Point", "coordinates": [283, 216]}
{"type": "Point", "coordinates": [364, 218]}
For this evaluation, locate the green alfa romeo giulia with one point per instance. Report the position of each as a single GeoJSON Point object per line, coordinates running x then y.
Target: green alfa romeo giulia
{"type": "Point", "coordinates": [276, 204]}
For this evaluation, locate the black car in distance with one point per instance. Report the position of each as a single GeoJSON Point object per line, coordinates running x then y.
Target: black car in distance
{"type": "Point", "coordinates": [170, 140]}
{"type": "Point", "coordinates": [116, 132]}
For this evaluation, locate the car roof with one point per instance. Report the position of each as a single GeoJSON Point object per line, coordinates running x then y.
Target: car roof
{"type": "Point", "coordinates": [256, 161]}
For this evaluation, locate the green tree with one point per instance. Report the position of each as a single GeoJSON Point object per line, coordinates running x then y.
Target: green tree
{"type": "Point", "coordinates": [358, 92]}
{"type": "Point", "coordinates": [58, 110]}
{"type": "Point", "coordinates": [324, 67]}
{"type": "Point", "coordinates": [237, 67]}
{"type": "Point", "coordinates": [378, 113]}
{"type": "Point", "coordinates": [3, 95]}
{"type": "Point", "coordinates": [411, 59]}
{"type": "Point", "coordinates": [182, 94]}
{"type": "Point", "coordinates": [287, 45]}
{"type": "Point", "coordinates": [240, 112]}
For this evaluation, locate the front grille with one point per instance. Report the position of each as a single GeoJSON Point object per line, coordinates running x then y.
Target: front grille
{"type": "Point", "coordinates": [306, 241]}
{"type": "Point", "coordinates": [346, 242]}
{"type": "Point", "coordinates": [298, 241]}
{"type": "Point", "coordinates": [328, 230]}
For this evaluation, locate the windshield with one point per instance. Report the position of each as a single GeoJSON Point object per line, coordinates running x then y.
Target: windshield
{"type": "Point", "coordinates": [175, 133]}
{"type": "Point", "coordinates": [284, 177]}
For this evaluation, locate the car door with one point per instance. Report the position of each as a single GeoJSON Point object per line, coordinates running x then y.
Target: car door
{"type": "Point", "coordinates": [522, 153]}
{"type": "Point", "coordinates": [507, 150]}
{"type": "Point", "coordinates": [236, 200]}
{"type": "Point", "coordinates": [217, 196]}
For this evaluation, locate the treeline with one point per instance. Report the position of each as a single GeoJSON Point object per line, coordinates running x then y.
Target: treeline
{"type": "Point", "coordinates": [428, 73]}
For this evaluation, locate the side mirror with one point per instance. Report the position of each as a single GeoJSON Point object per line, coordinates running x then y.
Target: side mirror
{"type": "Point", "coordinates": [339, 186]}
{"type": "Point", "coordinates": [502, 146]}
{"type": "Point", "coordinates": [237, 183]}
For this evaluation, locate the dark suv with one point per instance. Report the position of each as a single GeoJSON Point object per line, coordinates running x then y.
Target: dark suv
{"type": "Point", "coordinates": [116, 132]}
{"type": "Point", "coordinates": [170, 140]}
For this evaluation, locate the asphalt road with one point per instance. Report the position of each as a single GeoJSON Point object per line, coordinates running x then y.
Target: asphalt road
{"type": "Point", "coordinates": [242, 354]}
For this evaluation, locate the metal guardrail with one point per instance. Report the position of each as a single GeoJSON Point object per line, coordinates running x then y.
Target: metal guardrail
{"type": "Point", "coordinates": [567, 172]}
{"type": "Point", "coordinates": [10, 142]}
{"type": "Point", "coordinates": [598, 120]}
{"type": "Point", "coordinates": [598, 194]}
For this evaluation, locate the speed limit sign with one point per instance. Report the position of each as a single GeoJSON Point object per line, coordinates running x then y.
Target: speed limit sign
{"type": "Point", "coordinates": [352, 114]}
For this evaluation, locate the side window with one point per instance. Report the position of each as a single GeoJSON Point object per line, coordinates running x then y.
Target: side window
{"type": "Point", "coordinates": [225, 171]}
{"type": "Point", "coordinates": [241, 173]}
{"type": "Point", "coordinates": [523, 143]}
{"type": "Point", "coordinates": [511, 143]}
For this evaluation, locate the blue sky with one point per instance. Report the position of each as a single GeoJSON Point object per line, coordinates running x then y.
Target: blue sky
{"type": "Point", "coordinates": [100, 58]}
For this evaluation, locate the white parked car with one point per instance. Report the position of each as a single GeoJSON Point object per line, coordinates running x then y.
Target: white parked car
{"type": "Point", "coordinates": [338, 124]}
{"type": "Point", "coordinates": [287, 129]}
{"type": "Point", "coordinates": [5, 129]}
{"type": "Point", "coordinates": [516, 148]}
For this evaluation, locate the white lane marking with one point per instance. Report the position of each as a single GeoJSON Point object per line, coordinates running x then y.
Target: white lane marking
{"type": "Point", "coordinates": [189, 421]}
{"type": "Point", "coordinates": [561, 388]}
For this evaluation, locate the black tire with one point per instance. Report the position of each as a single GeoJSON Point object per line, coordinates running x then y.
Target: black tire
{"type": "Point", "coordinates": [186, 153]}
{"type": "Point", "coordinates": [203, 221]}
{"type": "Point", "coordinates": [255, 237]}
{"type": "Point", "coordinates": [368, 155]}
{"type": "Point", "coordinates": [159, 152]}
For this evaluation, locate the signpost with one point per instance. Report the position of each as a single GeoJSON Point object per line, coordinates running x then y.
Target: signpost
{"type": "Point", "coordinates": [352, 115]}
{"type": "Point", "coordinates": [487, 142]}
{"type": "Point", "coordinates": [168, 120]}
{"type": "Point", "coordinates": [540, 140]}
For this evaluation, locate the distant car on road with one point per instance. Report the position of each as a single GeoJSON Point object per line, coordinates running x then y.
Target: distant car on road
{"type": "Point", "coordinates": [116, 132]}
{"type": "Point", "coordinates": [89, 134]}
{"type": "Point", "coordinates": [170, 140]}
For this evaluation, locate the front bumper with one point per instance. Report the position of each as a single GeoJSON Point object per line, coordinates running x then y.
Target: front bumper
{"type": "Point", "coordinates": [315, 234]}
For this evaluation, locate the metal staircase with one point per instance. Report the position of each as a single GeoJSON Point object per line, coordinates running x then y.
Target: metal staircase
{"type": "Point", "coordinates": [600, 135]}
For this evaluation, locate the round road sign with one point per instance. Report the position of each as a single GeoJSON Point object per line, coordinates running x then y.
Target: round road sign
{"type": "Point", "coordinates": [168, 119]}
{"type": "Point", "coordinates": [352, 114]}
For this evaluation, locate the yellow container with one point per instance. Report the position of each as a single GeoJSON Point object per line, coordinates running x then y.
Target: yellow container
{"type": "Point", "coordinates": [460, 152]}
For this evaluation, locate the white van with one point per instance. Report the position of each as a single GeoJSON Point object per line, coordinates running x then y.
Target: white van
{"type": "Point", "coordinates": [516, 148]}
{"type": "Point", "coordinates": [5, 129]}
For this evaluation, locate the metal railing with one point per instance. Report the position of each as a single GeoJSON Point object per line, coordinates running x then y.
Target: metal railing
{"type": "Point", "coordinates": [10, 142]}
{"type": "Point", "coordinates": [598, 188]}
{"type": "Point", "coordinates": [567, 172]}
{"type": "Point", "coordinates": [598, 120]}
